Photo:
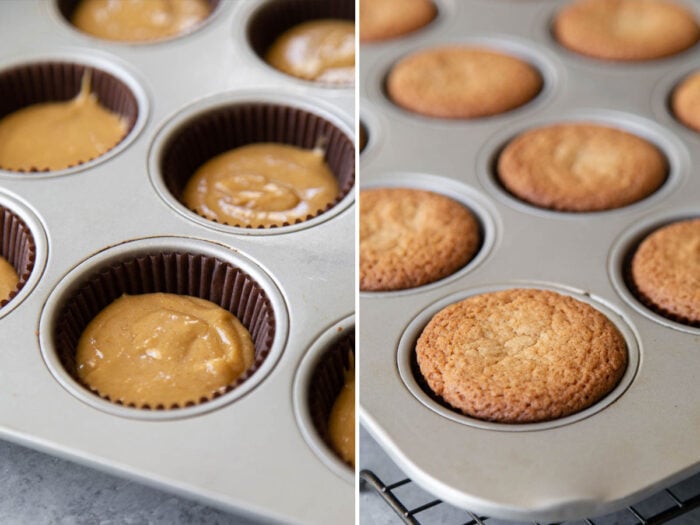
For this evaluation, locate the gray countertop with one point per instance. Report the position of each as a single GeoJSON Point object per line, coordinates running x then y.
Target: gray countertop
{"type": "Point", "coordinates": [39, 489]}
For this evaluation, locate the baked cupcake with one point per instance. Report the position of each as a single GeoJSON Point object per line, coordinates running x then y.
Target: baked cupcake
{"type": "Point", "coordinates": [626, 30]}
{"type": "Point", "coordinates": [685, 101]}
{"type": "Point", "coordinates": [521, 356]}
{"type": "Point", "coordinates": [665, 271]}
{"type": "Point", "coordinates": [411, 237]}
{"type": "Point", "coordinates": [387, 19]}
{"type": "Point", "coordinates": [581, 167]}
{"type": "Point", "coordinates": [462, 82]}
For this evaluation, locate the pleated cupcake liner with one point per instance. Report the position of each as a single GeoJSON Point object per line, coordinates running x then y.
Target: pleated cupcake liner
{"type": "Point", "coordinates": [17, 246]}
{"type": "Point", "coordinates": [222, 129]}
{"type": "Point", "coordinates": [174, 272]}
{"type": "Point", "coordinates": [327, 381]}
{"type": "Point", "coordinates": [40, 82]}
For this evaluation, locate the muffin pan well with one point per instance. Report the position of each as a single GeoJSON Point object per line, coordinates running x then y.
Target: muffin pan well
{"type": "Point", "coordinates": [57, 77]}
{"type": "Point", "coordinates": [213, 126]}
{"type": "Point", "coordinates": [558, 470]}
{"type": "Point", "coordinates": [112, 226]}
{"type": "Point", "coordinates": [320, 378]}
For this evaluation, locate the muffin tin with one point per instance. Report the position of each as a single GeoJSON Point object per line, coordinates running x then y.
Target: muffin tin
{"type": "Point", "coordinates": [114, 224]}
{"type": "Point", "coordinates": [641, 437]}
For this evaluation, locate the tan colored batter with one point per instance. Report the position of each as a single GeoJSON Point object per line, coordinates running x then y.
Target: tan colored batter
{"type": "Point", "coordinates": [319, 50]}
{"type": "Point", "coordinates": [262, 185]}
{"type": "Point", "coordinates": [58, 135]}
{"type": "Point", "coordinates": [8, 279]}
{"type": "Point", "coordinates": [139, 20]}
{"type": "Point", "coordinates": [160, 348]}
{"type": "Point", "coordinates": [341, 424]}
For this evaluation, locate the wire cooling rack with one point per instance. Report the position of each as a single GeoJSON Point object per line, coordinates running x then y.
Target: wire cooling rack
{"type": "Point", "coordinates": [413, 505]}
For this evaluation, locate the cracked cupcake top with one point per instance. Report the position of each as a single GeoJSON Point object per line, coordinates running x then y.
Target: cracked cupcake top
{"type": "Point", "coordinates": [521, 355]}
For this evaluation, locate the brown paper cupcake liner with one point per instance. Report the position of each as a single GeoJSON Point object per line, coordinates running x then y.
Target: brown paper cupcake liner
{"type": "Point", "coordinates": [17, 246]}
{"type": "Point", "coordinates": [327, 381]}
{"type": "Point", "coordinates": [364, 136]}
{"type": "Point", "coordinates": [277, 16]}
{"type": "Point", "coordinates": [34, 83]}
{"type": "Point", "coordinates": [68, 7]}
{"type": "Point", "coordinates": [171, 272]}
{"type": "Point", "coordinates": [226, 128]}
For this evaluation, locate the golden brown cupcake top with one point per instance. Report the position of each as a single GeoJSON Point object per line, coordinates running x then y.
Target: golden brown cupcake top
{"type": "Point", "coordinates": [385, 19]}
{"type": "Point", "coordinates": [521, 355]}
{"type": "Point", "coordinates": [462, 82]}
{"type": "Point", "coordinates": [666, 271]}
{"type": "Point", "coordinates": [139, 20]}
{"type": "Point", "coordinates": [8, 279]}
{"type": "Point", "coordinates": [685, 101]}
{"type": "Point", "coordinates": [626, 30]}
{"type": "Point", "coordinates": [412, 237]}
{"type": "Point", "coordinates": [318, 50]}
{"type": "Point", "coordinates": [58, 135]}
{"type": "Point", "coordinates": [581, 167]}
{"type": "Point", "coordinates": [262, 185]}
{"type": "Point", "coordinates": [341, 423]}
{"type": "Point", "coordinates": [163, 349]}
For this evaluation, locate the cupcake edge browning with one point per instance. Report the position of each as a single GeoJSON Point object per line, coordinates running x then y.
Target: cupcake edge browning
{"type": "Point", "coordinates": [665, 271]}
{"type": "Point", "coordinates": [521, 356]}
{"type": "Point", "coordinates": [411, 237]}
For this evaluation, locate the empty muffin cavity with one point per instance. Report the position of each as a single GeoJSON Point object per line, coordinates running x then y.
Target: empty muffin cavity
{"type": "Point", "coordinates": [169, 271]}
{"type": "Point", "coordinates": [224, 128]}
{"type": "Point", "coordinates": [40, 82]}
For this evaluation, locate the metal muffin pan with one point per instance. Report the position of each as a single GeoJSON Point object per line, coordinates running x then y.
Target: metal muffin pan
{"type": "Point", "coordinates": [246, 450]}
{"type": "Point", "coordinates": [628, 446]}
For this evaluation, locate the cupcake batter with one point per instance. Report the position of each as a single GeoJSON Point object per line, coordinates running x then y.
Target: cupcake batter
{"type": "Point", "coordinates": [262, 185]}
{"type": "Point", "coordinates": [319, 50]}
{"type": "Point", "coordinates": [8, 279]}
{"type": "Point", "coordinates": [341, 424]}
{"type": "Point", "coordinates": [139, 20]}
{"type": "Point", "coordinates": [58, 135]}
{"type": "Point", "coordinates": [162, 349]}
